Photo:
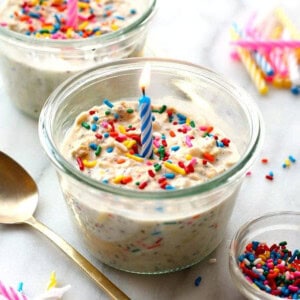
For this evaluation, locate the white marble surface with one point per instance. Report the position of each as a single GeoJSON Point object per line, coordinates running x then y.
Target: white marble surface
{"type": "Point", "coordinates": [191, 30]}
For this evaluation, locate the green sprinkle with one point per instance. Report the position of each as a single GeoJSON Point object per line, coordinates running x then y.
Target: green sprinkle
{"type": "Point", "coordinates": [192, 124]}
{"type": "Point", "coordinates": [130, 110]}
{"type": "Point", "coordinates": [155, 110]}
{"type": "Point", "coordinates": [135, 250]}
{"type": "Point", "coordinates": [283, 243]}
{"type": "Point", "coordinates": [129, 126]}
{"type": "Point", "coordinates": [157, 167]}
{"type": "Point", "coordinates": [98, 150]}
{"type": "Point", "coordinates": [44, 31]}
{"type": "Point", "coordinates": [85, 125]}
{"type": "Point", "coordinates": [162, 109]}
{"type": "Point", "coordinates": [137, 183]}
{"type": "Point", "coordinates": [107, 112]}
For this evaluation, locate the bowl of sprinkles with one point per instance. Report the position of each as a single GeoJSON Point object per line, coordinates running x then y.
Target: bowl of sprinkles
{"type": "Point", "coordinates": [43, 42]}
{"type": "Point", "coordinates": [265, 257]}
{"type": "Point", "coordinates": [150, 159]}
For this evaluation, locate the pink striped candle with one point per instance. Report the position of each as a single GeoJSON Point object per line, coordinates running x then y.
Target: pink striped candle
{"type": "Point", "coordinates": [72, 10]}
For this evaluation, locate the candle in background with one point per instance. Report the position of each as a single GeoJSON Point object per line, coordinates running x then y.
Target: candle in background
{"type": "Point", "coordinates": [72, 16]}
{"type": "Point", "coordinates": [145, 115]}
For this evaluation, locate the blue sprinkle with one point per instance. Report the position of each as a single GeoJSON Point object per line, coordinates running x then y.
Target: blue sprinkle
{"type": "Point", "coordinates": [181, 116]}
{"type": "Point", "coordinates": [156, 233]}
{"type": "Point", "coordinates": [34, 15]}
{"type": "Point", "coordinates": [170, 175]}
{"type": "Point", "coordinates": [295, 90]}
{"type": "Point", "coordinates": [169, 187]}
{"type": "Point", "coordinates": [20, 287]}
{"type": "Point", "coordinates": [219, 144]}
{"type": "Point", "coordinates": [175, 148]}
{"type": "Point", "coordinates": [159, 208]}
{"type": "Point", "coordinates": [106, 134]}
{"type": "Point", "coordinates": [116, 116]}
{"type": "Point", "coordinates": [120, 18]}
{"type": "Point", "coordinates": [181, 121]}
{"type": "Point", "coordinates": [57, 18]}
{"type": "Point", "coordinates": [153, 118]}
{"type": "Point", "coordinates": [260, 285]}
{"type": "Point", "coordinates": [271, 173]}
{"type": "Point", "coordinates": [93, 146]}
{"type": "Point", "coordinates": [292, 158]}
{"type": "Point", "coordinates": [95, 118]}
{"type": "Point", "coordinates": [133, 11]}
{"type": "Point", "coordinates": [94, 127]}
{"type": "Point", "coordinates": [242, 257]}
{"type": "Point", "coordinates": [163, 136]}
{"type": "Point", "coordinates": [110, 149]}
{"type": "Point", "coordinates": [255, 245]}
{"type": "Point", "coordinates": [105, 181]}
{"type": "Point", "coordinates": [198, 281]}
{"type": "Point", "coordinates": [108, 103]}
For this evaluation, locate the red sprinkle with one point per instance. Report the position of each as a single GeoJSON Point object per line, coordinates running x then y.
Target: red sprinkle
{"type": "Point", "coordinates": [264, 160]}
{"type": "Point", "coordinates": [143, 185]}
{"type": "Point", "coordinates": [80, 163]}
{"type": "Point", "coordinates": [269, 177]}
{"type": "Point", "coordinates": [151, 173]}
{"type": "Point", "coordinates": [209, 157]}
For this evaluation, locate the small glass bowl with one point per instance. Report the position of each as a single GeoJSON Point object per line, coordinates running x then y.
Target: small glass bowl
{"type": "Point", "coordinates": [32, 68]}
{"type": "Point", "coordinates": [152, 231]}
{"type": "Point", "coordinates": [271, 228]}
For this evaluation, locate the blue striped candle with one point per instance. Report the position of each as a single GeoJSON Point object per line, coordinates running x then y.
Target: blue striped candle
{"type": "Point", "coordinates": [145, 115]}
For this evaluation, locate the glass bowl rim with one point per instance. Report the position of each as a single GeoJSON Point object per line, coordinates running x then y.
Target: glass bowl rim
{"type": "Point", "coordinates": [94, 41]}
{"type": "Point", "coordinates": [226, 178]}
{"type": "Point", "coordinates": [233, 266]}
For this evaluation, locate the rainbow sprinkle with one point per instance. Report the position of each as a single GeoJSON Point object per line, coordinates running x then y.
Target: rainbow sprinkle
{"type": "Point", "coordinates": [109, 135]}
{"type": "Point", "coordinates": [48, 18]}
{"type": "Point", "coordinates": [274, 269]}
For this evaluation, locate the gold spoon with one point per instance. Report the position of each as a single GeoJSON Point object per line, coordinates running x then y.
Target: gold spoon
{"type": "Point", "coordinates": [18, 201]}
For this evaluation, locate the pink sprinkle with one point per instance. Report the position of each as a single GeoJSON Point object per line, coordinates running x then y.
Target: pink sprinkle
{"type": "Point", "coordinates": [187, 127]}
{"type": "Point", "coordinates": [293, 288]}
{"type": "Point", "coordinates": [203, 128]}
{"type": "Point", "coordinates": [156, 143]}
{"type": "Point", "coordinates": [3, 24]}
{"type": "Point", "coordinates": [188, 141]}
{"type": "Point", "coordinates": [193, 161]}
{"type": "Point", "coordinates": [104, 124]}
{"type": "Point", "coordinates": [248, 173]}
{"type": "Point", "coordinates": [149, 163]}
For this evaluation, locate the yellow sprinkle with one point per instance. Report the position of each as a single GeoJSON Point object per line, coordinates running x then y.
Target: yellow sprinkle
{"type": "Point", "coordinates": [97, 33]}
{"type": "Point", "coordinates": [174, 168]}
{"type": "Point", "coordinates": [262, 257]}
{"type": "Point", "coordinates": [134, 157]}
{"type": "Point", "coordinates": [83, 4]}
{"type": "Point", "coordinates": [83, 25]}
{"type": "Point", "coordinates": [114, 27]}
{"type": "Point", "coordinates": [52, 282]}
{"type": "Point", "coordinates": [188, 121]}
{"type": "Point", "coordinates": [47, 27]}
{"type": "Point", "coordinates": [89, 164]}
{"type": "Point", "coordinates": [188, 157]}
{"type": "Point", "coordinates": [287, 162]}
{"type": "Point", "coordinates": [122, 129]}
{"type": "Point", "coordinates": [129, 143]}
{"type": "Point", "coordinates": [69, 33]}
{"type": "Point", "coordinates": [118, 179]}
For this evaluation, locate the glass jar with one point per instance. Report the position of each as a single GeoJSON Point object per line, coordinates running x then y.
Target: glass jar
{"type": "Point", "coordinates": [152, 231]}
{"type": "Point", "coordinates": [271, 228]}
{"type": "Point", "coordinates": [32, 68]}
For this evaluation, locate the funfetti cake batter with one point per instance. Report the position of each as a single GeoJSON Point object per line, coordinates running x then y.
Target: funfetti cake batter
{"type": "Point", "coordinates": [104, 143]}
{"type": "Point", "coordinates": [49, 18]}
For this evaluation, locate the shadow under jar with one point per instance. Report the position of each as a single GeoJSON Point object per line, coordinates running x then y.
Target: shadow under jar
{"type": "Point", "coordinates": [152, 231]}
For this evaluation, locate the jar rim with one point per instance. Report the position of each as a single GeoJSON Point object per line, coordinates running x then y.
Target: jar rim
{"type": "Point", "coordinates": [226, 178]}
{"type": "Point", "coordinates": [93, 42]}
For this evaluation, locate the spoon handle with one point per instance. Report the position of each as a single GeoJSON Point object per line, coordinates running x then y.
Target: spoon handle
{"type": "Point", "coordinates": [102, 281]}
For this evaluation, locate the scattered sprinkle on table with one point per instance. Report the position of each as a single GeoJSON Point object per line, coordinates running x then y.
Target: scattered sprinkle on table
{"type": "Point", "coordinates": [198, 281]}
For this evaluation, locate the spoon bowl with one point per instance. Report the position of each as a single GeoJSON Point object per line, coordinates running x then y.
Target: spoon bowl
{"type": "Point", "coordinates": [18, 192]}
{"type": "Point", "coordinates": [18, 202]}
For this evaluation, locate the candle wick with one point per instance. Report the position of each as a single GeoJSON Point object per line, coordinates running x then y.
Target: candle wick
{"type": "Point", "coordinates": [143, 90]}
